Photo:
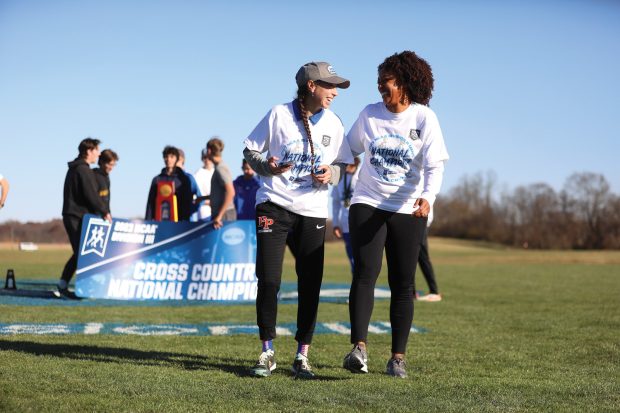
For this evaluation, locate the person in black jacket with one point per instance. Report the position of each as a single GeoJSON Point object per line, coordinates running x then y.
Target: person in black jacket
{"type": "Point", "coordinates": [107, 162]}
{"type": "Point", "coordinates": [80, 197]}
{"type": "Point", "coordinates": [182, 186]}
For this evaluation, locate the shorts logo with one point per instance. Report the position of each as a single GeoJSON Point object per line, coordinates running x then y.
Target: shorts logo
{"type": "Point", "coordinates": [414, 134]}
{"type": "Point", "coordinates": [97, 234]}
{"type": "Point", "coordinates": [264, 223]}
{"type": "Point", "coordinates": [326, 140]}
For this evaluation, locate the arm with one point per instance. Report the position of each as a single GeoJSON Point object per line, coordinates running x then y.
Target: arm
{"type": "Point", "coordinates": [435, 155]}
{"type": "Point", "coordinates": [257, 143]}
{"type": "Point", "coordinates": [336, 171]}
{"type": "Point", "coordinates": [228, 201]}
{"type": "Point", "coordinates": [331, 173]}
{"type": "Point", "coordinates": [196, 194]}
{"type": "Point", "coordinates": [257, 162]}
{"type": "Point", "coordinates": [343, 158]}
{"type": "Point", "coordinates": [89, 188]}
{"type": "Point", "coordinates": [262, 166]}
{"type": "Point", "coordinates": [433, 176]}
{"type": "Point", "coordinates": [336, 211]}
{"type": "Point", "coordinates": [5, 191]}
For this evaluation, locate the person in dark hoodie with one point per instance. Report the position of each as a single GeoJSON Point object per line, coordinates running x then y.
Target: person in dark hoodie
{"type": "Point", "coordinates": [182, 186]}
{"type": "Point", "coordinates": [80, 197]}
{"type": "Point", "coordinates": [107, 162]}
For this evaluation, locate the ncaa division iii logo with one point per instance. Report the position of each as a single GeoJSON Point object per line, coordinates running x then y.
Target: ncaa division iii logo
{"type": "Point", "coordinates": [264, 223]}
{"type": "Point", "coordinates": [97, 234]}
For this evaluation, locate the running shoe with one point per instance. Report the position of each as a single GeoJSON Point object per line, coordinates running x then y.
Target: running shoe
{"type": "Point", "coordinates": [396, 368]}
{"type": "Point", "coordinates": [265, 365]}
{"type": "Point", "coordinates": [431, 298]}
{"type": "Point", "coordinates": [357, 360]}
{"type": "Point", "coordinates": [65, 293]}
{"type": "Point", "coordinates": [301, 368]}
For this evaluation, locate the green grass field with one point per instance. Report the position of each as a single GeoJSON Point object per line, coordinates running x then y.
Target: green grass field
{"type": "Point", "coordinates": [517, 331]}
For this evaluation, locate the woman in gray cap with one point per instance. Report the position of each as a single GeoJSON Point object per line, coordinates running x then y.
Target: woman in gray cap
{"type": "Point", "coordinates": [305, 151]}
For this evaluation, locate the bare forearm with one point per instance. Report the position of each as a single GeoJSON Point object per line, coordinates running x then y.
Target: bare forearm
{"type": "Point", "coordinates": [229, 198]}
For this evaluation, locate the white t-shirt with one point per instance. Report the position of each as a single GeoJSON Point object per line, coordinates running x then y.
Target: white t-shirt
{"type": "Point", "coordinates": [281, 133]}
{"type": "Point", "coordinates": [404, 156]}
{"type": "Point", "coordinates": [339, 192]}
{"type": "Point", "coordinates": [203, 179]}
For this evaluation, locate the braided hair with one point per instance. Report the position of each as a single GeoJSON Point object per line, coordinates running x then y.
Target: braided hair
{"type": "Point", "coordinates": [302, 94]}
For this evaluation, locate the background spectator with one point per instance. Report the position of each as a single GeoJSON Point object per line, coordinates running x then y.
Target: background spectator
{"type": "Point", "coordinates": [80, 197]}
{"type": "Point", "coordinates": [246, 186]}
{"type": "Point", "coordinates": [107, 162]}
{"type": "Point", "coordinates": [182, 186]}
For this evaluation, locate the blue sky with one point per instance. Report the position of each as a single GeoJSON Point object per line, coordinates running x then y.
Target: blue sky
{"type": "Point", "coordinates": [527, 89]}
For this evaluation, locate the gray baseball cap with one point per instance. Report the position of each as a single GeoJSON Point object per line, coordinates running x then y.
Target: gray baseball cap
{"type": "Point", "coordinates": [322, 71]}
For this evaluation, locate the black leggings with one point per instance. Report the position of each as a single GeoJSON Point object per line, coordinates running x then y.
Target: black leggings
{"type": "Point", "coordinates": [273, 224]}
{"type": "Point", "coordinates": [426, 266]}
{"type": "Point", "coordinates": [73, 226]}
{"type": "Point", "coordinates": [372, 230]}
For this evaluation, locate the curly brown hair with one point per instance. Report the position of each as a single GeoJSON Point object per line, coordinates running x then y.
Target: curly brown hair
{"type": "Point", "coordinates": [412, 73]}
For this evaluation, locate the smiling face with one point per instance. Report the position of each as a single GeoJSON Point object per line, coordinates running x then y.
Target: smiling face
{"type": "Point", "coordinates": [392, 94]}
{"type": "Point", "coordinates": [321, 95]}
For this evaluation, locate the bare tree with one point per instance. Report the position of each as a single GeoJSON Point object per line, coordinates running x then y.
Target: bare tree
{"type": "Point", "coordinates": [588, 198]}
{"type": "Point", "coordinates": [585, 214]}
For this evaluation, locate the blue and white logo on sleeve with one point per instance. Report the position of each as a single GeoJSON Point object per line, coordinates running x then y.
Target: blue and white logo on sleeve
{"type": "Point", "coordinates": [392, 157]}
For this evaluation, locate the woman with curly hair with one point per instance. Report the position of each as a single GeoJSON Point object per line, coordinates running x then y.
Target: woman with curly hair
{"type": "Point", "coordinates": [397, 185]}
{"type": "Point", "coordinates": [305, 151]}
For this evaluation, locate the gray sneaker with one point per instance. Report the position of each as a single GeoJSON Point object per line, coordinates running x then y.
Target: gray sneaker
{"type": "Point", "coordinates": [265, 365]}
{"type": "Point", "coordinates": [356, 361]}
{"type": "Point", "coordinates": [301, 368]}
{"type": "Point", "coordinates": [396, 368]}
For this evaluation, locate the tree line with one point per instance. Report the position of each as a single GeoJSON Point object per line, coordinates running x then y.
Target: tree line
{"type": "Point", "coordinates": [584, 214]}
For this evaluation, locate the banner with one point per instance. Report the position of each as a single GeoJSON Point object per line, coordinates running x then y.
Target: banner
{"type": "Point", "coordinates": [151, 260]}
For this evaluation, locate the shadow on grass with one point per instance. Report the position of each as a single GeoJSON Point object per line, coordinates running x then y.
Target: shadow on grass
{"type": "Point", "coordinates": [124, 355]}
{"type": "Point", "coordinates": [132, 356]}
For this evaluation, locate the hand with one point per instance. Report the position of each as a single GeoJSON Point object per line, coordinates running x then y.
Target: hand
{"type": "Point", "coordinates": [108, 217]}
{"type": "Point", "coordinates": [217, 222]}
{"type": "Point", "coordinates": [424, 208]}
{"type": "Point", "coordinates": [324, 177]}
{"type": "Point", "coordinates": [337, 232]}
{"type": "Point", "coordinates": [276, 168]}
